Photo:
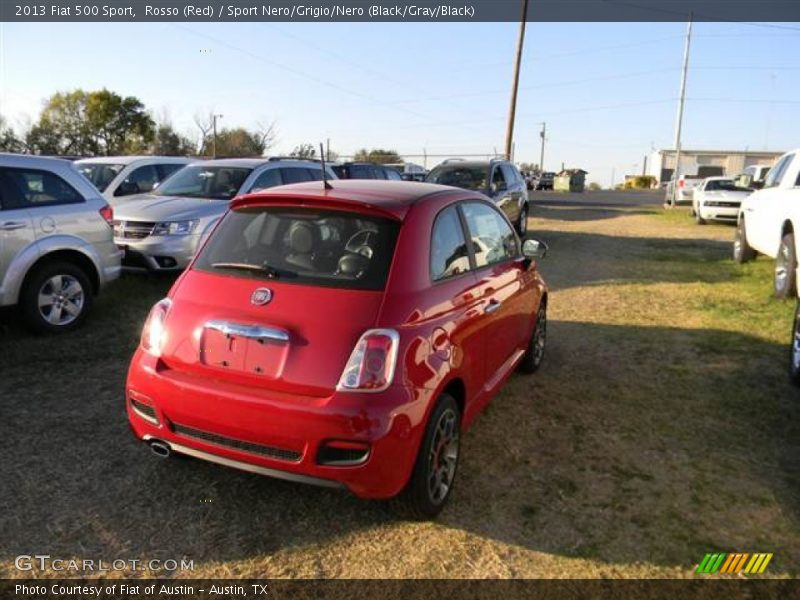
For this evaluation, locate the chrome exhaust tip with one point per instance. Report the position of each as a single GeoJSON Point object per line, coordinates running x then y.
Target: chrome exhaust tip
{"type": "Point", "coordinates": [160, 449]}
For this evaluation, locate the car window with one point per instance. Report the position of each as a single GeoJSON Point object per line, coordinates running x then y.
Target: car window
{"type": "Point", "coordinates": [493, 239]}
{"type": "Point", "coordinates": [314, 174]}
{"type": "Point", "coordinates": [775, 174]}
{"type": "Point", "coordinates": [471, 178]}
{"type": "Point", "coordinates": [509, 174]}
{"type": "Point", "coordinates": [167, 169]}
{"type": "Point", "coordinates": [267, 179]}
{"type": "Point", "coordinates": [497, 178]}
{"type": "Point", "coordinates": [393, 175]}
{"type": "Point", "coordinates": [144, 178]}
{"type": "Point", "coordinates": [33, 187]}
{"type": "Point", "coordinates": [449, 254]}
{"type": "Point", "coordinates": [361, 172]}
{"type": "Point", "coordinates": [300, 245]}
{"type": "Point", "coordinates": [295, 175]}
{"type": "Point", "coordinates": [205, 181]}
{"type": "Point", "coordinates": [100, 174]}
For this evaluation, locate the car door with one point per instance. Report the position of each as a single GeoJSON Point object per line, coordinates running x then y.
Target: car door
{"type": "Point", "coordinates": [500, 193]}
{"type": "Point", "coordinates": [764, 214]}
{"type": "Point", "coordinates": [515, 187]}
{"type": "Point", "coordinates": [54, 205]}
{"type": "Point", "coordinates": [500, 269]}
{"type": "Point", "coordinates": [16, 226]}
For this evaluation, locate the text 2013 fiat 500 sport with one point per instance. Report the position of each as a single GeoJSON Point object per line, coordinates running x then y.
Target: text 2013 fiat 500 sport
{"type": "Point", "coordinates": [343, 337]}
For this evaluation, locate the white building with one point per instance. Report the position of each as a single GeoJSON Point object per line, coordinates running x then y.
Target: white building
{"type": "Point", "coordinates": [706, 163]}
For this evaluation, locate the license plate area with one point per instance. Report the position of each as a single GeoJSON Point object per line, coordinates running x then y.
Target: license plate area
{"type": "Point", "coordinates": [245, 349]}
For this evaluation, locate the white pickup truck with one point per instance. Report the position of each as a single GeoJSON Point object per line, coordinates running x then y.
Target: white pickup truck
{"type": "Point", "coordinates": [769, 223]}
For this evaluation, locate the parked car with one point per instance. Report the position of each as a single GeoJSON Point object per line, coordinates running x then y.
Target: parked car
{"type": "Point", "coordinates": [342, 337]}
{"type": "Point", "coordinates": [56, 246]}
{"type": "Point", "coordinates": [545, 181]}
{"type": "Point", "coordinates": [685, 190]}
{"type": "Point", "coordinates": [409, 171]}
{"type": "Point", "coordinates": [767, 222]}
{"type": "Point", "coordinates": [356, 170]}
{"type": "Point", "coordinates": [162, 231]}
{"type": "Point", "coordinates": [498, 179]}
{"type": "Point", "coordinates": [121, 176]}
{"type": "Point", "coordinates": [718, 199]}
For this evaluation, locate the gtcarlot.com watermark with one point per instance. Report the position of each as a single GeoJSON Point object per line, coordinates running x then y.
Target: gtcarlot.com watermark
{"type": "Point", "coordinates": [45, 562]}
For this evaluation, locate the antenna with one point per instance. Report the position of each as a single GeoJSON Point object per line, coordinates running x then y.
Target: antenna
{"type": "Point", "coordinates": [325, 183]}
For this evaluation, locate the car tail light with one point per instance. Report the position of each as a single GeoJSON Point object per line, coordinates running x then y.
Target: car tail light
{"type": "Point", "coordinates": [370, 367]}
{"type": "Point", "coordinates": [681, 183]}
{"type": "Point", "coordinates": [153, 331]}
{"type": "Point", "coordinates": [108, 214]}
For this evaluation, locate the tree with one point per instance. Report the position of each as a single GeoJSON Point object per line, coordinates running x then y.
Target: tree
{"type": "Point", "coordinates": [240, 142]}
{"type": "Point", "coordinates": [377, 156]}
{"type": "Point", "coordinates": [91, 123]}
{"type": "Point", "coordinates": [168, 142]}
{"type": "Point", "coordinates": [529, 167]}
{"type": "Point", "coordinates": [304, 151]}
{"type": "Point", "coordinates": [9, 142]}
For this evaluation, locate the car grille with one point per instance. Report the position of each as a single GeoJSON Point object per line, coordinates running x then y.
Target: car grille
{"type": "Point", "coordinates": [219, 440]}
{"type": "Point", "coordinates": [132, 230]}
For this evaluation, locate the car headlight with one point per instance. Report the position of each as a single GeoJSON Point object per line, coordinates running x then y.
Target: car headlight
{"type": "Point", "coordinates": [175, 227]}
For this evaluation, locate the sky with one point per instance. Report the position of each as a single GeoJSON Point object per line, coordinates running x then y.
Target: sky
{"type": "Point", "coordinates": [607, 91]}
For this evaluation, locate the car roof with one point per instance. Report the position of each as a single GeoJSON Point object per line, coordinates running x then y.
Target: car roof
{"type": "Point", "coordinates": [31, 160]}
{"type": "Point", "coordinates": [468, 163]}
{"type": "Point", "coordinates": [719, 178]}
{"type": "Point", "coordinates": [394, 197]}
{"type": "Point", "coordinates": [252, 163]}
{"type": "Point", "coordinates": [126, 160]}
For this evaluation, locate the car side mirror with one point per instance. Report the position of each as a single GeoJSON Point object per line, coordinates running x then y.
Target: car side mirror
{"type": "Point", "coordinates": [534, 249]}
{"type": "Point", "coordinates": [127, 188]}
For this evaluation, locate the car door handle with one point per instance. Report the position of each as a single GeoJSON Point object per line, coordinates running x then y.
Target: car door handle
{"type": "Point", "coordinates": [253, 332]}
{"type": "Point", "coordinates": [12, 225]}
{"type": "Point", "coordinates": [492, 306]}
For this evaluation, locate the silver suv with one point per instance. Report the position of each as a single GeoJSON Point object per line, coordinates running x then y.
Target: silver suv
{"type": "Point", "coordinates": [56, 243]}
{"type": "Point", "coordinates": [163, 230]}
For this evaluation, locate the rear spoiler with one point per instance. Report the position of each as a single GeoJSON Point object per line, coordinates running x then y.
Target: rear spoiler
{"type": "Point", "coordinates": [312, 201]}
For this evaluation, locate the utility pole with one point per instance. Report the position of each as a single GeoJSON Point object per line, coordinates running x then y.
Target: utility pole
{"type": "Point", "coordinates": [214, 118]}
{"type": "Point", "coordinates": [542, 134]}
{"type": "Point", "coordinates": [679, 124]}
{"type": "Point", "coordinates": [644, 166]}
{"type": "Point", "coordinates": [512, 109]}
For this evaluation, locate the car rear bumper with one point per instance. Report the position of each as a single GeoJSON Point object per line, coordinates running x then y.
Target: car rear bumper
{"type": "Point", "coordinates": [274, 434]}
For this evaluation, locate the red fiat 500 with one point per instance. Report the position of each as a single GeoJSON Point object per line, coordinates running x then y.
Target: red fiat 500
{"type": "Point", "coordinates": [342, 337]}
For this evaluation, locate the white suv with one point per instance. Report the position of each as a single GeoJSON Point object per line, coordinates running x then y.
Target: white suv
{"type": "Point", "coordinates": [769, 223]}
{"type": "Point", "coordinates": [56, 242]}
{"type": "Point", "coordinates": [122, 176]}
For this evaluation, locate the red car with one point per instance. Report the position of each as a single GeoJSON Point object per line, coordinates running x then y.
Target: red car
{"type": "Point", "coordinates": [342, 337]}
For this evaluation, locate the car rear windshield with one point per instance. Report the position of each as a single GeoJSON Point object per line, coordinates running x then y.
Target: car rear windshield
{"type": "Point", "coordinates": [470, 178]}
{"type": "Point", "coordinates": [215, 183]}
{"type": "Point", "coordinates": [727, 185]}
{"type": "Point", "coordinates": [100, 174]}
{"type": "Point", "coordinates": [300, 245]}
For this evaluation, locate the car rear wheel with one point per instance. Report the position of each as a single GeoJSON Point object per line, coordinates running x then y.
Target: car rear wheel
{"type": "Point", "coordinates": [785, 268]}
{"type": "Point", "coordinates": [522, 223]}
{"type": "Point", "coordinates": [794, 362]}
{"type": "Point", "coordinates": [698, 217]}
{"type": "Point", "coordinates": [56, 297]}
{"type": "Point", "coordinates": [742, 252]}
{"type": "Point", "coordinates": [535, 353]}
{"type": "Point", "coordinates": [431, 482]}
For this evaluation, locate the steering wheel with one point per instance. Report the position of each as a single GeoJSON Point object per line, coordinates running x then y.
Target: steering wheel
{"type": "Point", "coordinates": [363, 248]}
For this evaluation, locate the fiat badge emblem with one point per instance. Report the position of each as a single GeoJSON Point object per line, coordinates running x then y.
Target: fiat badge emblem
{"type": "Point", "coordinates": [261, 296]}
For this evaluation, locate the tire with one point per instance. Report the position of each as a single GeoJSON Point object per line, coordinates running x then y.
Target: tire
{"type": "Point", "coordinates": [794, 354]}
{"type": "Point", "coordinates": [423, 499]}
{"type": "Point", "coordinates": [534, 354]}
{"type": "Point", "coordinates": [522, 222]}
{"type": "Point", "coordinates": [742, 252]}
{"type": "Point", "coordinates": [785, 274]}
{"type": "Point", "coordinates": [698, 219]}
{"type": "Point", "coordinates": [56, 297]}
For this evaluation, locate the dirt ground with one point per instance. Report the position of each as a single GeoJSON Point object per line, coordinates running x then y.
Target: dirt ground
{"type": "Point", "coordinates": [662, 426]}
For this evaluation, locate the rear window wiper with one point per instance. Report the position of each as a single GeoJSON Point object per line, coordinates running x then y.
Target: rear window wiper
{"type": "Point", "coordinates": [269, 271]}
